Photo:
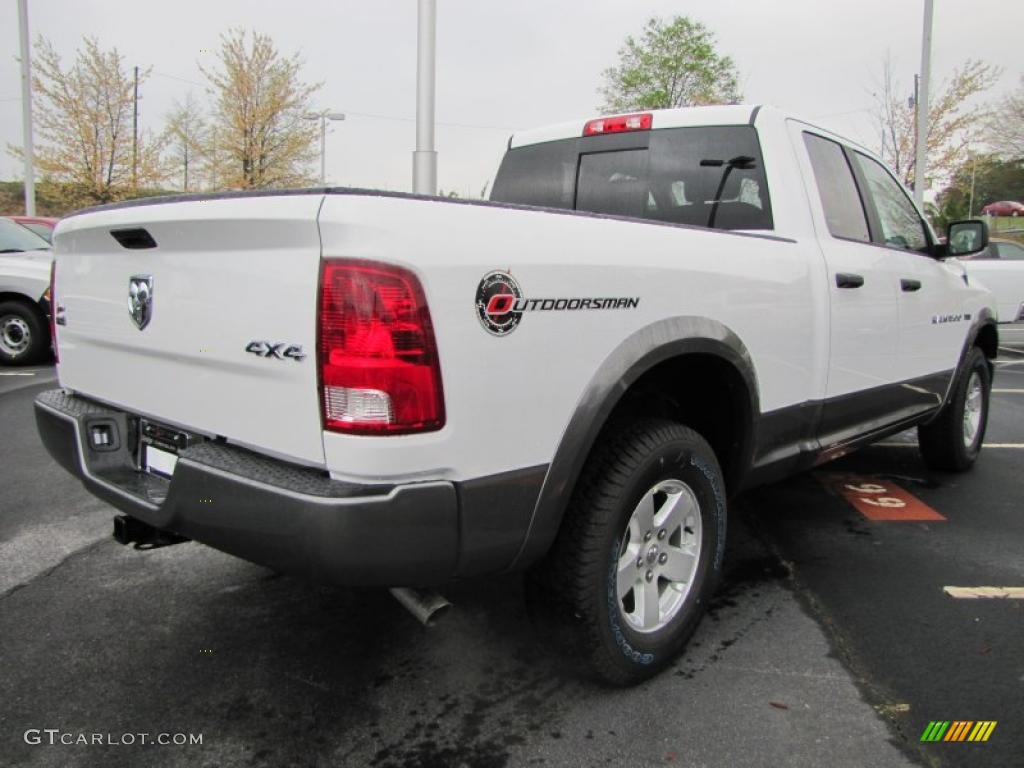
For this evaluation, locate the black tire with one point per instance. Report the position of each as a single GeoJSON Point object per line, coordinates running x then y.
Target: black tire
{"type": "Point", "coordinates": [24, 334]}
{"type": "Point", "coordinates": [943, 441]}
{"type": "Point", "coordinates": [572, 592]}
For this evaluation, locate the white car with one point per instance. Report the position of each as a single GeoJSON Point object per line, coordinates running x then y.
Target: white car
{"type": "Point", "coordinates": [1000, 268]}
{"type": "Point", "coordinates": [25, 260]}
{"type": "Point", "coordinates": [653, 312]}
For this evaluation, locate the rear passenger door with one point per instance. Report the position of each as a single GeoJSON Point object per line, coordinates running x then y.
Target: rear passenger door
{"type": "Point", "coordinates": [862, 294]}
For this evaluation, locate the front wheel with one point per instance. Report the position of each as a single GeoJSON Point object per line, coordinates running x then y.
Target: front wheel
{"type": "Point", "coordinates": [638, 555]}
{"type": "Point", "coordinates": [952, 441]}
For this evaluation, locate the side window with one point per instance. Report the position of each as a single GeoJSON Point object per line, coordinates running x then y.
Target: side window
{"type": "Point", "coordinates": [840, 200]}
{"type": "Point", "coordinates": [901, 226]}
{"type": "Point", "coordinates": [708, 177]}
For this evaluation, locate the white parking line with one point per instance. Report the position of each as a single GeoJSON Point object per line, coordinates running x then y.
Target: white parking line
{"type": "Point", "coordinates": [1012, 349]}
{"type": "Point", "coordinates": [1009, 391]}
{"type": "Point", "coordinates": [973, 593]}
{"type": "Point", "coordinates": [16, 373]}
{"type": "Point", "coordinates": [1015, 446]}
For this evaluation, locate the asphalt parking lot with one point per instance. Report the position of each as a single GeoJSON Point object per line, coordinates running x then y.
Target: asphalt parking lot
{"type": "Point", "coordinates": [832, 640]}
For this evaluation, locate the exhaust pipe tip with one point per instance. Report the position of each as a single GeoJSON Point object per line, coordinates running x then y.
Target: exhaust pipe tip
{"type": "Point", "coordinates": [426, 606]}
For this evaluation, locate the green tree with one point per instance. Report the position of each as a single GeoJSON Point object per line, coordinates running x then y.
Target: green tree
{"type": "Point", "coordinates": [974, 184]}
{"type": "Point", "coordinates": [672, 64]}
{"type": "Point", "coordinates": [260, 138]}
{"type": "Point", "coordinates": [83, 121]}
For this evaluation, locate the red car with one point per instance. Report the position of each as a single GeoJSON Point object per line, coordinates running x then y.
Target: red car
{"type": "Point", "coordinates": [1004, 208]}
{"type": "Point", "coordinates": [41, 225]}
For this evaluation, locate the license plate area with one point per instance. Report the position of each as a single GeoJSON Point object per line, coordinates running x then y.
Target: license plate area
{"type": "Point", "coordinates": [157, 461]}
{"type": "Point", "coordinates": [159, 446]}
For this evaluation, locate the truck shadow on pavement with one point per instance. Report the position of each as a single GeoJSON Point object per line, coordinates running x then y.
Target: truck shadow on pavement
{"type": "Point", "coordinates": [275, 671]}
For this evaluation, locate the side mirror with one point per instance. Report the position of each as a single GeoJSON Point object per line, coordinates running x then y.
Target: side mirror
{"type": "Point", "coordinates": [966, 238]}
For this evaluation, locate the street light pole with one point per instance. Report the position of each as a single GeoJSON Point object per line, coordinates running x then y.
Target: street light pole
{"type": "Point", "coordinates": [26, 109]}
{"type": "Point", "coordinates": [323, 117]}
{"type": "Point", "coordinates": [921, 148]}
{"type": "Point", "coordinates": [424, 159]}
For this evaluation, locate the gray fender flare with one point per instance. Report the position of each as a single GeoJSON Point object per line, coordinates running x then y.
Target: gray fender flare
{"type": "Point", "coordinates": [635, 356]}
{"type": "Point", "coordinates": [984, 318]}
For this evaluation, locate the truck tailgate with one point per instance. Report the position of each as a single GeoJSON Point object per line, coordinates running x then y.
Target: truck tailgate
{"type": "Point", "coordinates": [225, 276]}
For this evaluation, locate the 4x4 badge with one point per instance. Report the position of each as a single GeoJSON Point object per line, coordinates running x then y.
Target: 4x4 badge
{"type": "Point", "coordinates": [140, 299]}
{"type": "Point", "coordinates": [282, 351]}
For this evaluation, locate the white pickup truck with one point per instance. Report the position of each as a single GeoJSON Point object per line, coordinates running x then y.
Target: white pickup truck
{"type": "Point", "coordinates": [653, 312]}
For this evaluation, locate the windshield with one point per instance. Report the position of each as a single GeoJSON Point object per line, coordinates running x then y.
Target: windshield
{"type": "Point", "coordinates": [42, 230]}
{"type": "Point", "coordinates": [15, 238]}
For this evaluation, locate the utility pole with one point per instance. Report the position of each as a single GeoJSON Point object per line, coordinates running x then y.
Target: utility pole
{"type": "Point", "coordinates": [26, 109]}
{"type": "Point", "coordinates": [970, 205]}
{"type": "Point", "coordinates": [424, 159]}
{"type": "Point", "coordinates": [185, 153]}
{"type": "Point", "coordinates": [135, 135]}
{"type": "Point", "coordinates": [323, 150]}
{"type": "Point", "coordinates": [214, 160]}
{"type": "Point", "coordinates": [921, 144]}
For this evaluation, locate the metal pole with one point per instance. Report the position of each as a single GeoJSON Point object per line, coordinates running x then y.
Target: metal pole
{"type": "Point", "coordinates": [424, 159]}
{"type": "Point", "coordinates": [215, 155]}
{"type": "Point", "coordinates": [26, 109]}
{"type": "Point", "coordinates": [323, 150]}
{"type": "Point", "coordinates": [135, 135]}
{"type": "Point", "coordinates": [921, 149]}
{"type": "Point", "coordinates": [186, 158]}
{"type": "Point", "coordinates": [970, 205]}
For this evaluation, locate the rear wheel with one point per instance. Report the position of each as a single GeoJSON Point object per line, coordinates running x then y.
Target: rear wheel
{"type": "Point", "coordinates": [638, 555]}
{"type": "Point", "coordinates": [24, 337]}
{"type": "Point", "coordinates": [952, 441]}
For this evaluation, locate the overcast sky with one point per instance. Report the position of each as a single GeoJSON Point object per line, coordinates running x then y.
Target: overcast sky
{"type": "Point", "coordinates": [503, 66]}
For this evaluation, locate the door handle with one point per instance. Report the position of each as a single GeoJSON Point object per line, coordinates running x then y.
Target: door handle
{"type": "Point", "coordinates": [909, 286]}
{"type": "Point", "coordinates": [848, 280]}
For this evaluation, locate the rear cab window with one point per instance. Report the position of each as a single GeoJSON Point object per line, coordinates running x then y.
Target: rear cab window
{"type": "Point", "coordinates": [708, 176]}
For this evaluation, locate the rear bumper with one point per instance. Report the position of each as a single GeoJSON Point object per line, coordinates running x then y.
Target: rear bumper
{"type": "Point", "coordinates": [293, 519]}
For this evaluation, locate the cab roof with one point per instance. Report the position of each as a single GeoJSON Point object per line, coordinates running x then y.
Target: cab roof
{"type": "Point", "coordinates": [683, 117]}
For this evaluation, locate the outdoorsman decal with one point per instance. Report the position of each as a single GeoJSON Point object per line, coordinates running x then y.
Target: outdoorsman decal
{"type": "Point", "coordinates": [500, 303]}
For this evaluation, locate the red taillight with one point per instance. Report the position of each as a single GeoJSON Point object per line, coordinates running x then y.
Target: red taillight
{"type": "Point", "coordinates": [619, 124]}
{"type": "Point", "coordinates": [53, 310]}
{"type": "Point", "coordinates": [379, 371]}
